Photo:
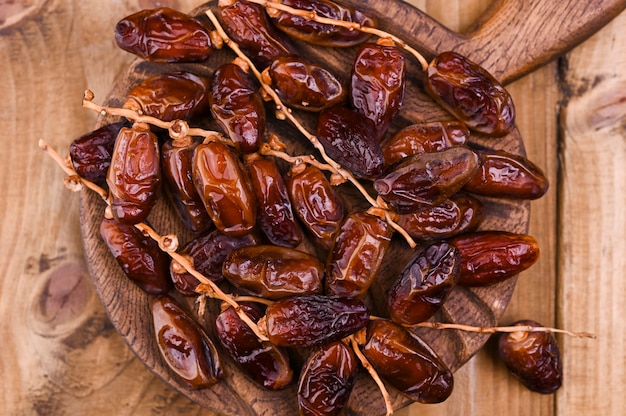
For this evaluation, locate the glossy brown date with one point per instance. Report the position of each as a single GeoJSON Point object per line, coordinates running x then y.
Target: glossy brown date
{"type": "Point", "coordinates": [164, 35]}
{"type": "Point", "coordinates": [533, 358]}
{"type": "Point", "coordinates": [312, 320]}
{"type": "Point", "coordinates": [176, 161]}
{"type": "Point", "coordinates": [316, 204]}
{"type": "Point", "coordinates": [275, 213]}
{"type": "Point", "coordinates": [305, 85]}
{"type": "Point", "coordinates": [184, 345]}
{"type": "Point", "coordinates": [505, 175]}
{"type": "Point", "coordinates": [134, 177]}
{"type": "Point", "coordinates": [326, 380]}
{"type": "Point", "coordinates": [350, 140]}
{"type": "Point", "coordinates": [489, 257]}
{"type": "Point", "coordinates": [427, 179]}
{"type": "Point", "coordinates": [377, 83]}
{"type": "Point", "coordinates": [456, 215]}
{"type": "Point", "coordinates": [224, 187]}
{"type": "Point", "coordinates": [238, 107]}
{"type": "Point", "coordinates": [356, 255]}
{"type": "Point", "coordinates": [170, 96]}
{"type": "Point", "coordinates": [322, 34]}
{"type": "Point", "coordinates": [274, 272]}
{"type": "Point", "coordinates": [471, 94]}
{"type": "Point", "coordinates": [424, 138]}
{"type": "Point", "coordinates": [248, 25]}
{"type": "Point", "coordinates": [265, 363]}
{"type": "Point", "coordinates": [207, 253]}
{"type": "Point", "coordinates": [91, 153]}
{"type": "Point", "coordinates": [139, 256]}
{"type": "Point", "coordinates": [407, 363]}
{"type": "Point", "coordinates": [424, 284]}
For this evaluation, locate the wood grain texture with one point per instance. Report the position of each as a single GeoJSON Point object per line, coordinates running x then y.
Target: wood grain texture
{"type": "Point", "coordinates": [61, 355]}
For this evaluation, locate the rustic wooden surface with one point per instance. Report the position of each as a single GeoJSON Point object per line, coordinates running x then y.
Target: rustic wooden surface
{"type": "Point", "coordinates": [61, 355]}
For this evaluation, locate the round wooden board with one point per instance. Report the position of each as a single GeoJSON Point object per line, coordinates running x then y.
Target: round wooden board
{"type": "Point", "coordinates": [128, 307]}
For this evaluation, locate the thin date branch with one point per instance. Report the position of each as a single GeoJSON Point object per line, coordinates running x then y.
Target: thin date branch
{"type": "Point", "coordinates": [508, 329]}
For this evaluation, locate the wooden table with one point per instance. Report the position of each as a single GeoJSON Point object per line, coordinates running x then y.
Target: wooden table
{"type": "Point", "coordinates": [60, 355]}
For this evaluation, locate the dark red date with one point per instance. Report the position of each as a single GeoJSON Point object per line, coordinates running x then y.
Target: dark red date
{"type": "Point", "coordinates": [184, 345]}
{"type": "Point", "coordinates": [274, 272]}
{"type": "Point", "coordinates": [265, 363]}
{"type": "Point", "coordinates": [489, 257]}
{"type": "Point", "coordinates": [471, 94]}
{"type": "Point", "coordinates": [505, 175]}
{"type": "Point", "coordinates": [224, 187]}
{"type": "Point", "coordinates": [377, 83]}
{"type": "Point", "coordinates": [238, 107]}
{"type": "Point", "coordinates": [312, 320]}
{"type": "Point", "coordinates": [407, 363]}
{"type": "Point", "coordinates": [305, 85]}
{"type": "Point", "coordinates": [326, 380]}
{"type": "Point", "coordinates": [350, 140]}
{"type": "Point", "coordinates": [134, 177]}
{"type": "Point", "coordinates": [139, 256]}
{"type": "Point", "coordinates": [425, 180]}
{"type": "Point", "coordinates": [533, 358]}
{"type": "Point", "coordinates": [356, 255]}
{"type": "Point", "coordinates": [424, 285]}
{"type": "Point", "coordinates": [164, 35]}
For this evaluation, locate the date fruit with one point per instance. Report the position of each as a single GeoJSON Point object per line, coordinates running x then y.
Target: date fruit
{"type": "Point", "coordinates": [274, 272]}
{"type": "Point", "coordinates": [489, 257]}
{"type": "Point", "coordinates": [312, 320]}
{"type": "Point", "coordinates": [134, 177]}
{"type": "Point", "coordinates": [265, 363]}
{"type": "Point", "coordinates": [424, 285]}
{"type": "Point", "coordinates": [184, 345]}
{"type": "Point", "coordinates": [326, 380]}
{"type": "Point", "coordinates": [407, 363]}
{"type": "Point", "coordinates": [533, 358]}
{"type": "Point", "coordinates": [164, 35]}
{"type": "Point", "coordinates": [471, 94]}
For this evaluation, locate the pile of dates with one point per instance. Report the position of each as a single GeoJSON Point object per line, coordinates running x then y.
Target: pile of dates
{"type": "Point", "coordinates": [282, 234]}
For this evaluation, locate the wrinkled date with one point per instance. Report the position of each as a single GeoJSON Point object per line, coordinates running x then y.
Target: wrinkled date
{"type": "Point", "coordinates": [489, 257]}
{"type": "Point", "coordinates": [176, 161]}
{"type": "Point", "coordinates": [427, 179]}
{"type": "Point", "coordinates": [533, 358]}
{"type": "Point", "coordinates": [238, 107]}
{"type": "Point", "coordinates": [357, 254]}
{"type": "Point", "coordinates": [319, 33]}
{"type": "Point", "coordinates": [249, 26]}
{"type": "Point", "coordinates": [171, 96]}
{"type": "Point", "coordinates": [275, 213]}
{"type": "Point", "coordinates": [134, 177]}
{"type": "Point", "coordinates": [265, 363]}
{"type": "Point", "coordinates": [223, 186]}
{"type": "Point", "coordinates": [506, 175]}
{"type": "Point", "coordinates": [184, 345]}
{"type": "Point", "coordinates": [305, 85]}
{"type": "Point", "coordinates": [207, 253]}
{"type": "Point", "coordinates": [311, 320]}
{"type": "Point", "coordinates": [377, 83]}
{"type": "Point", "coordinates": [471, 94]}
{"type": "Point", "coordinates": [424, 285]}
{"type": "Point", "coordinates": [139, 256]}
{"type": "Point", "coordinates": [91, 153]}
{"type": "Point", "coordinates": [326, 380]}
{"type": "Point", "coordinates": [456, 215]}
{"type": "Point", "coordinates": [274, 272]}
{"type": "Point", "coordinates": [164, 35]}
{"type": "Point", "coordinates": [424, 138]}
{"type": "Point", "coordinates": [407, 363]}
{"type": "Point", "coordinates": [349, 139]}
{"type": "Point", "coordinates": [316, 203]}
